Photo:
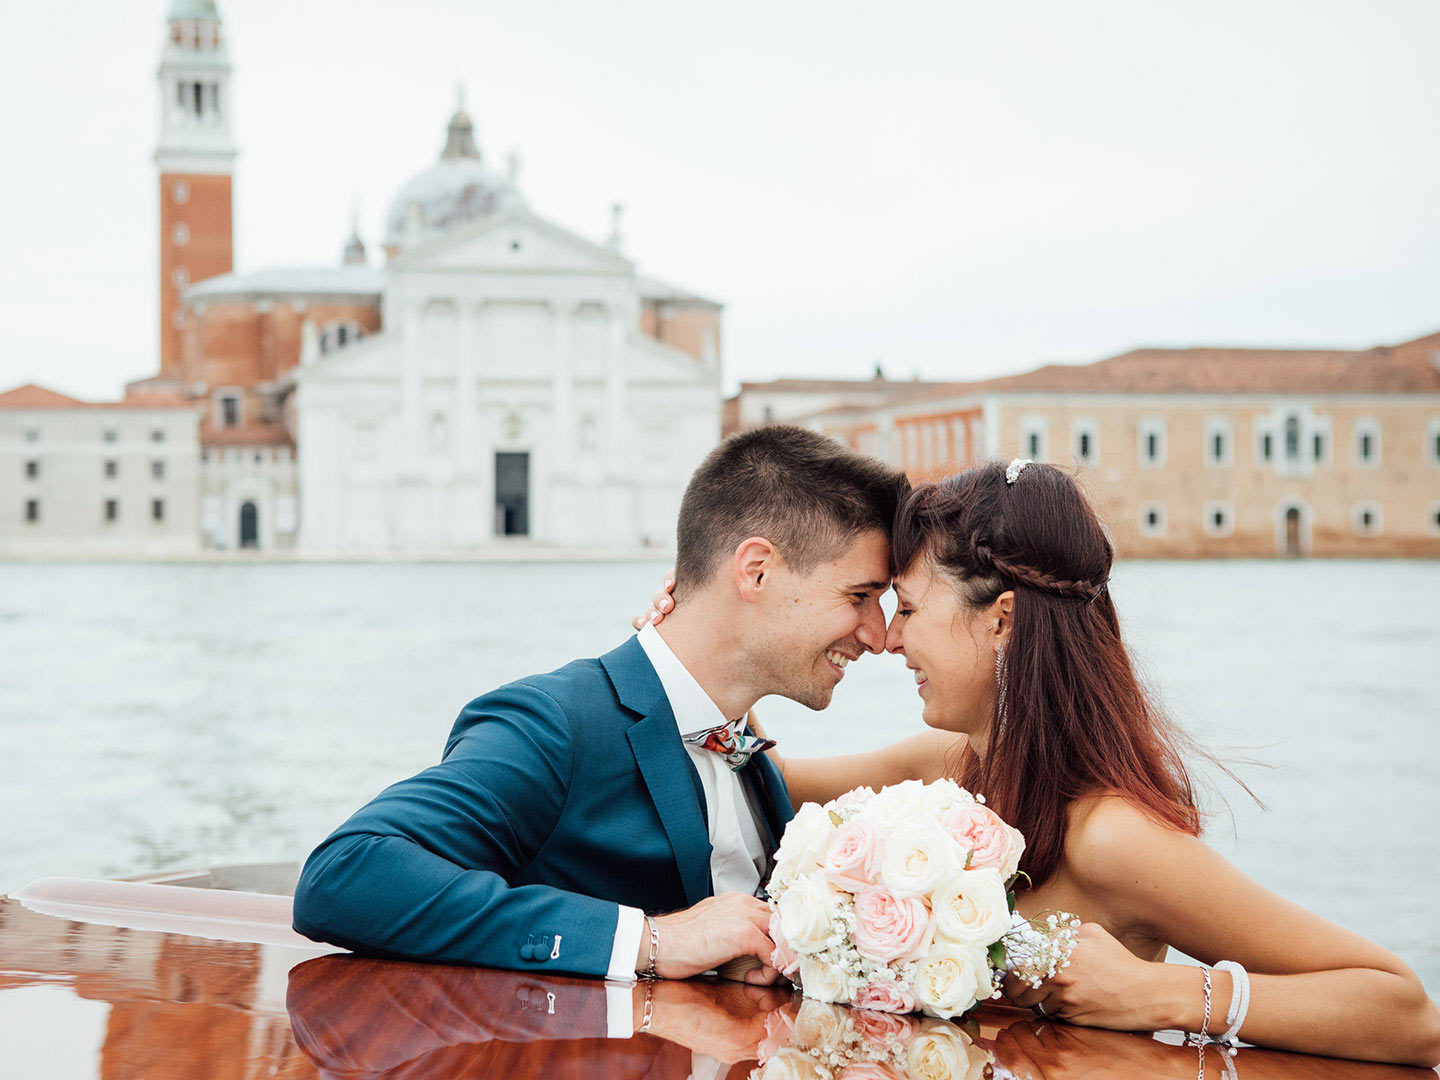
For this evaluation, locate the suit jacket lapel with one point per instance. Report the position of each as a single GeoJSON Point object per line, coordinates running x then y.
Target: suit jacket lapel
{"type": "Point", "coordinates": [669, 776]}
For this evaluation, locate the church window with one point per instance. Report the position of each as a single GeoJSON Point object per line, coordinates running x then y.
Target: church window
{"type": "Point", "coordinates": [109, 435]}
{"type": "Point", "coordinates": [196, 103]}
{"type": "Point", "coordinates": [112, 469]}
{"type": "Point", "coordinates": [157, 469]}
{"type": "Point", "coordinates": [514, 245]}
{"type": "Point", "coordinates": [32, 434]}
{"type": "Point", "coordinates": [180, 234]}
{"type": "Point", "coordinates": [112, 509]}
{"type": "Point", "coordinates": [157, 434]}
{"type": "Point", "coordinates": [32, 509]}
{"type": "Point", "coordinates": [157, 509]}
{"type": "Point", "coordinates": [180, 192]}
{"type": "Point", "coordinates": [32, 470]}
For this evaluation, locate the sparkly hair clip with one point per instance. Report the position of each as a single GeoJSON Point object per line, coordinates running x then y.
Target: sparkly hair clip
{"type": "Point", "coordinates": [1015, 468]}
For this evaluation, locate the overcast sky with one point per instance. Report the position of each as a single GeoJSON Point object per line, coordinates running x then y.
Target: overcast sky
{"type": "Point", "coordinates": [954, 188]}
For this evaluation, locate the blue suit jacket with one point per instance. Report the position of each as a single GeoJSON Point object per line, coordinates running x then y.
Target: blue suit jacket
{"type": "Point", "coordinates": [559, 797]}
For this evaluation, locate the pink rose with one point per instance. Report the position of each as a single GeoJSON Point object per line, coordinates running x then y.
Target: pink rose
{"type": "Point", "coordinates": [884, 996]}
{"type": "Point", "coordinates": [852, 862]}
{"type": "Point", "coordinates": [783, 959]}
{"type": "Point", "coordinates": [888, 928]}
{"type": "Point", "coordinates": [985, 835]}
{"type": "Point", "coordinates": [854, 797]}
{"type": "Point", "coordinates": [865, 1070]}
{"type": "Point", "coordinates": [779, 1030]}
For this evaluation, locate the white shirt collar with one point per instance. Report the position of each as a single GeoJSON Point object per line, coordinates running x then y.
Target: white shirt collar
{"type": "Point", "coordinates": [694, 711]}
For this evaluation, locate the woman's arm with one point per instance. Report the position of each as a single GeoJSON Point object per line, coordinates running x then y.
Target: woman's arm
{"type": "Point", "coordinates": [1315, 987]}
{"type": "Point", "coordinates": [927, 756]}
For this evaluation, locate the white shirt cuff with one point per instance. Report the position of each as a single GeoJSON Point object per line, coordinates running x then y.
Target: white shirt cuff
{"type": "Point", "coordinates": [628, 928]}
{"type": "Point", "coordinates": [619, 1011]}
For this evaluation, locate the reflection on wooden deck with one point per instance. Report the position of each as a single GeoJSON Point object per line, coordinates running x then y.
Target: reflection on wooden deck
{"type": "Point", "coordinates": [185, 1008]}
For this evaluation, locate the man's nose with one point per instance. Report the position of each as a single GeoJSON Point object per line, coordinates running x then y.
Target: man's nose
{"type": "Point", "coordinates": [871, 631]}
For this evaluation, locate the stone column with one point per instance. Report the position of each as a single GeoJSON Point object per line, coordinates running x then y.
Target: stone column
{"type": "Point", "coordinates": [615, 398]}
{"type": "Point", "coordinates": [411, 427]}
{"type": "Point", "coordinates": [562, 390]}
{"type": "Point", "coordinates": [462, 449]}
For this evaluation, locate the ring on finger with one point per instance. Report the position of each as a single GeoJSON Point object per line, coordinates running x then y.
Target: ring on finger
{"type": "Point", "coordinates": [1039, 1007]}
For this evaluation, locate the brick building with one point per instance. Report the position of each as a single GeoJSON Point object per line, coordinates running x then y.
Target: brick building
{"type": "Point", "coordinates": [1202, 452]}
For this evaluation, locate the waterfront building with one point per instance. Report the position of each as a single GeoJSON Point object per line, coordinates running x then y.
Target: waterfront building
{"type": "Point", "coordinates": [97, 479]}
{"type": "Point", "coordinates": [498, 380]}
{"type": "Point", "coordinates": [1202, 452]}
{"type": "Point", "coordinates": [786, 400]}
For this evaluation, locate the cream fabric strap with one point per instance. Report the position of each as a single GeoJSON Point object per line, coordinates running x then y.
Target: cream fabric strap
{"type": "Point", "coordinates": [1239, 1000]}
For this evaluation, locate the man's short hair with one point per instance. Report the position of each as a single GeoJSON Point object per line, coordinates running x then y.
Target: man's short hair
{"type": "Point", "coordinates": [804, 492]}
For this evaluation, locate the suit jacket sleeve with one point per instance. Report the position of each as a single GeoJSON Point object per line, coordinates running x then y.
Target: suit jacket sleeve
{"type": "Point", "coordinates": [423, 870]}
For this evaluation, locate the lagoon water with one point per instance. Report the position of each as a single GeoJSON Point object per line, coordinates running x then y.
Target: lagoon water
{"type": "Point", "coordinates": [156, 716]}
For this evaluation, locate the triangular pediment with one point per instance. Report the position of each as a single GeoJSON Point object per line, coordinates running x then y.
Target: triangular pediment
{"type": "Point", "coordinates": [515, 241]}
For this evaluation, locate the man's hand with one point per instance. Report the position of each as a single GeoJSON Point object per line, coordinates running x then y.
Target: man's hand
{"type": "Point", "coordinates": [703, 937]}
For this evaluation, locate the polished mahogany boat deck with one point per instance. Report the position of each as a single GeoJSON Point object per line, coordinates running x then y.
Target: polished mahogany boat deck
{"type": "Point", "coordinates": [98, 980]}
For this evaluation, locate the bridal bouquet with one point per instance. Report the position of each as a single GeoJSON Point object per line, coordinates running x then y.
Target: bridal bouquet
{"type": "Point", "coordinates": [903, 901]}
{"type": "Point", "coordinates": [826, 1042]}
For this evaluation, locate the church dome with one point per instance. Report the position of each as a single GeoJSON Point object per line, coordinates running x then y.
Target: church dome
{"type": "Point", "coordinates": [457, 189]}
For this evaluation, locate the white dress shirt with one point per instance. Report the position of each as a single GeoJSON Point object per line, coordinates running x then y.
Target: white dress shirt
{"type": "Point", "coordinates": [737, 854]}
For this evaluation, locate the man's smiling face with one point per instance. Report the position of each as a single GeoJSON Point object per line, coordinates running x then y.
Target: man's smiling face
{"type": "Point", "coordinates": [819, 622]}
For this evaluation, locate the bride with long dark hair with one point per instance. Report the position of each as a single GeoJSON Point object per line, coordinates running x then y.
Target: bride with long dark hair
{"type": "Point", "coordinates": [1005, 617]}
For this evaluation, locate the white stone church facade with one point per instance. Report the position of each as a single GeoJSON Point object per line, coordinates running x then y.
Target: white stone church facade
{"type": "Point", "coordinates": [510, 394]}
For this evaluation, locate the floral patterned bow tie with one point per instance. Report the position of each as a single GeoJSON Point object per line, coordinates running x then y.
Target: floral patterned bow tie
{"type": "Point", "coordinates": [730, 742]}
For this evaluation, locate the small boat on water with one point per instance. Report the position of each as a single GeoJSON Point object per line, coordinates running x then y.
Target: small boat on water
{"type": "Point", "coordinates": [198, 975]}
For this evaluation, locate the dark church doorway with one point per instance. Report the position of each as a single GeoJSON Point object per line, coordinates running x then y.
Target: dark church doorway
{"type": "Point", "coordinates": [512, 494]}
{"type": "Point", "coordinates": [249, 526]}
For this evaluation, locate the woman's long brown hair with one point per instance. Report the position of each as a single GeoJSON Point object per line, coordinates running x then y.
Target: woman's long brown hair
{"type": "Point", "coordinates": [1078, 721]}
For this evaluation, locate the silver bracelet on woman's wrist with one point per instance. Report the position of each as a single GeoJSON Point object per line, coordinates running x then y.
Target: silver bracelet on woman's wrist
{"type": "Point", "coordinates": [1201, 1037]}
{"type": "Point", "coordinates": [1239, 1001]}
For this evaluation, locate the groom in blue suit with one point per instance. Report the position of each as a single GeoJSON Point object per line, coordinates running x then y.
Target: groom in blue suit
{"type": "Point", "coordinates": [611, 817]}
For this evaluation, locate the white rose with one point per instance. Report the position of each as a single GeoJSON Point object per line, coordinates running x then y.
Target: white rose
{"type": "Point", "coordinates": [942, 794]}
{"type": "Point", "coordinates": [820, 1023]}
{"type": "Point", "coordinates": [971, 908]}
{"type": "Point", "coordinates": [808, 912]}
{"type": "Point", "coordinates": [897, 804]}
{"type": "Point", "coordinates": [951, 978]}
{"type": "Point", "coordinates": [943, 1052]}
{"type": "Point", "coordinates": [917, 859]}
{"type": "Point", "coordinates": [822, 981]}
{"type": "Point", "coordinates": [790, 1064]}
{"type": "Point", "coordinates": [805, 841]}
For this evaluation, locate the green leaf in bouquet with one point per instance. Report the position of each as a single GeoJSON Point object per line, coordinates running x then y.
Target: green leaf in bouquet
{"type": "Point", "coordinates": [835, 819]}
{"type": "Point", "coordinates": [997, 955]}
{"type": "Point", "coordinates": [969, 858]}
{"type": "Point", "coordinates": [1010, 899]}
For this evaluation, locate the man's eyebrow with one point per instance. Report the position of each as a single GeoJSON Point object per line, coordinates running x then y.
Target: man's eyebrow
{"type": "Point", "coordinates": [869, 586]}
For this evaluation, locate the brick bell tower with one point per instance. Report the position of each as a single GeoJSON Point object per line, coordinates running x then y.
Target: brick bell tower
{"type": "Point", "coordinates": [196, 158]}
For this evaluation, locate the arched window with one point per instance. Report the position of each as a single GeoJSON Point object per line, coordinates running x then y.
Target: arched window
{"type": "Point", "coordinates": [1292, 438]}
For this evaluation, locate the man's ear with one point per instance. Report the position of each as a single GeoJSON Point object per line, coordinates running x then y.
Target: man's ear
{"type": "Point", "coordinates": [1002, 617]}
{"type": "Point", "coordinates": [754, 563]}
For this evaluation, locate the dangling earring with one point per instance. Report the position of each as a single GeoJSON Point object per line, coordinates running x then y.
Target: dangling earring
{"type": "Point", "coordinates": [1002, 682]}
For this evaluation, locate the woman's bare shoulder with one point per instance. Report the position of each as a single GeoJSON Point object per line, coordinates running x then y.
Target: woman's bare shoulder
{"type": "Point", "coordinates": [1111, 839]}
